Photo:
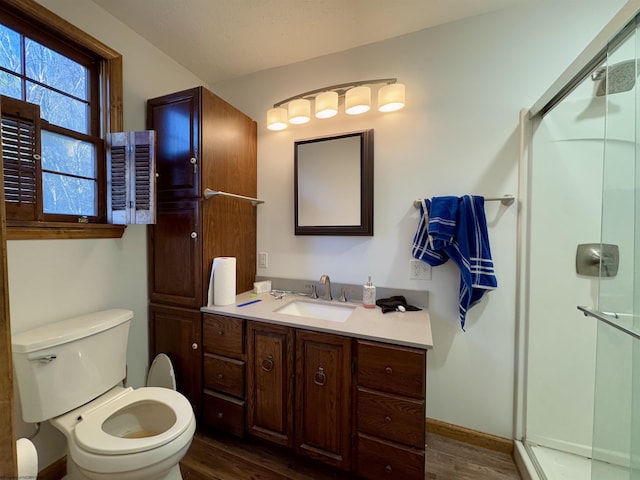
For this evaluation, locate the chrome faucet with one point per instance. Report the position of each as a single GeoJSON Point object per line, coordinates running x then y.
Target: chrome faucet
{"type": "Point", "coordinates": [324, 279]}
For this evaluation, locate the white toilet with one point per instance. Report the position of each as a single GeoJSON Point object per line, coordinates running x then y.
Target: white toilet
{"type": "Point", "coordinates": [70, 372]}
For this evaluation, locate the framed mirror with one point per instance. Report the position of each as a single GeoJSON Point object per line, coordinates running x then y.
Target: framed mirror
{"type": "Point", "coordinates": [334, 185]}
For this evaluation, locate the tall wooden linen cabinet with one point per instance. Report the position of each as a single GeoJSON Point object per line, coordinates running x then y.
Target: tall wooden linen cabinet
{"type": "Point", "coordinates": [202, 142]}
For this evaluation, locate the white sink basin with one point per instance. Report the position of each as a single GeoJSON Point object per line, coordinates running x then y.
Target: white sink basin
{"type": "Point", "coordinates": [322, 311]}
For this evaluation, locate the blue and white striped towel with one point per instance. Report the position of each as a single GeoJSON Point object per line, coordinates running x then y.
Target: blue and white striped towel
{"type": "Point", "coordinates": [469, 248]}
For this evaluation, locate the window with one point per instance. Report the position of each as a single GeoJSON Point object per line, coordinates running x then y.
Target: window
{"type": "Point", "coordinates": [61, 90]}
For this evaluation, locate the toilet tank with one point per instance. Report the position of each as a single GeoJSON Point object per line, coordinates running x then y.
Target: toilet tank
{"type": "Point", "coordinates": [63, 365]}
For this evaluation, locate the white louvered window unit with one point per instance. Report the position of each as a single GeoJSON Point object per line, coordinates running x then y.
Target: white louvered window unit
{"type": "Point", "coordinates": [131, 177]}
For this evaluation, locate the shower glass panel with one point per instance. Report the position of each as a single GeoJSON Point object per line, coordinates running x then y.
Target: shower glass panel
{"type": "Point", "coordinates": [616, 418]}
{"type": "Point", "coordinates": [566, 201]}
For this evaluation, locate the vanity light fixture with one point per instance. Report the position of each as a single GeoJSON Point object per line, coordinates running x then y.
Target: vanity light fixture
{"type": "Point", "coordinates": [356, 97]}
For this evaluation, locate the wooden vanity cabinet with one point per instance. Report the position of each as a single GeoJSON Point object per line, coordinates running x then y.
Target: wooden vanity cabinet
{"type": "Point", "coordinates": [357, 405]}
{"type": "Point", "coordinates": [390, 411]}
{"type": "Point", "coordinates": [323, 397]}
{"type": "Point", "coordinates": [270, 382]}
{"type": "Point", "coordinates": [224, 373]}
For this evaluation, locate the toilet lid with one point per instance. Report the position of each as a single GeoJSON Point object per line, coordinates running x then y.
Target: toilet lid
{"type": "Point", "coordinates": [90, 436]}
{"type": "Point", "coordinates": [161, 373]}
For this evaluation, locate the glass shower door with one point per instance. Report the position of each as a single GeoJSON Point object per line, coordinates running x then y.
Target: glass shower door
{"type": "Point", "coordinates": [616, 422]}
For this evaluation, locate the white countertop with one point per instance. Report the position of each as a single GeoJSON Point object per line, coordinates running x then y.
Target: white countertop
{"type": "Point", "coordinates": [412, 329]}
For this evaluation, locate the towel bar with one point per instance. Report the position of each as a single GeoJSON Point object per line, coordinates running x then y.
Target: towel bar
{"type": "Point", "coordinates": [208, 193]}
{"type": "Point", "coordinates": [506, 200]}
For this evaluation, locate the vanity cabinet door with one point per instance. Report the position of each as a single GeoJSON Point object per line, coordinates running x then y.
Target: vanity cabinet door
{"type": "Point", "coordinates": [175, 255]}
{"type": "Point", "coordinates": [176, 119]}
{"type": "Point", "coordinates": [176, 332]}
{"type": "Point", "coordinates": [270, 382]}
{"type": "Point", "coordinates": [323, 399]}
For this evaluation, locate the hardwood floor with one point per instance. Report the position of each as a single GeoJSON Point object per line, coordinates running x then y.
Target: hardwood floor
{"type": "Point", "coordinates": [214, 456]}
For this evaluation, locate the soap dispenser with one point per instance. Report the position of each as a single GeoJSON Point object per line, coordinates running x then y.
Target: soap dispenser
{"type": "Point", "coordinates": [369, 294]}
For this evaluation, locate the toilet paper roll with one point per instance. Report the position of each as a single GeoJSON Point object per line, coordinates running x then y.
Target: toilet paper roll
{"type": "Point", "coordinates": [27, 459]}
{"type": "Point", "coordinates": [222, 284]}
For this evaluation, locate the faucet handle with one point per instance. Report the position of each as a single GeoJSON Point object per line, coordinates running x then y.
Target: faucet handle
{"type": "Point", "coordinates": [314, 292]}
{"type": "Point", "coordinates": [343, 295]}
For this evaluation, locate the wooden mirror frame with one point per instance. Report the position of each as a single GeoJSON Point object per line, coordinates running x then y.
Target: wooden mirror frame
{"type": "Point", "coordinates": [365, 227]}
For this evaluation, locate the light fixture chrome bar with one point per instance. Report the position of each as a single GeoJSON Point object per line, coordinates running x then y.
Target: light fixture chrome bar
{"type": "Point", "coordinates": [340, 88]}
{"type": "Point", "coordinates": [208, 193]}
{"type": "Point", "coordinates": [506, 200]}
{"type": "Point", "coordinates": [604, 317]}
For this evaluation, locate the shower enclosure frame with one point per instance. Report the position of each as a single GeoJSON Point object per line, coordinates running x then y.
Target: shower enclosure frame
{"type": "Point", "coordinates": [591, 57]}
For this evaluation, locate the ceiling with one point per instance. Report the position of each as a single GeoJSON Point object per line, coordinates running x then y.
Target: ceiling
{"type": "Point", "coordinates": [219, 40]}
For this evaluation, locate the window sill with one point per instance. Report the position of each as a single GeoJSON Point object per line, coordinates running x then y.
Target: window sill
{"type": "Point", "coordinates": [60, 231]}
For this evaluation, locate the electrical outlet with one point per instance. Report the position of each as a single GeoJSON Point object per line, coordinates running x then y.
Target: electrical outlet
{"type": "Point", "coordinates": [263, 260]}
{"type": "Point", "coordinates": [419, 270]}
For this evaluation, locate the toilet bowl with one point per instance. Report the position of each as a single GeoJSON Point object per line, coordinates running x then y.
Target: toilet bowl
{"type": "Point", "coordinates": [128, 434]}
{"type": "Point", "coordinates": [71, 372]}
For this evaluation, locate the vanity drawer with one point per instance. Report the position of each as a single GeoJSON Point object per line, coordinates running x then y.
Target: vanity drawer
{"type": "Point", "coordinates": [391, 417]}
{"type": "Point", "coordinates": [381, 459]}
{"type": "Point", "coordinates": [224, 374]}
{"type": "Point", "coordinates": [223, 335]}
{"type": "Point", "coordinates": [391, 368]}
{"type": "Point", "coordinates": [223, 413]}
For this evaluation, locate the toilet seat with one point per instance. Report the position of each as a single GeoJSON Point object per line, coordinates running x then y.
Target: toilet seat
{"type": "Point", "coordinates": [90, 435]}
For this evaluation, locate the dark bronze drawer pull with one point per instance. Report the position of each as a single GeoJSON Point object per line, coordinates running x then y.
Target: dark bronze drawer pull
{"type": "Point", "coordinates": [389, 370]}
{"type": "Point", "coordinates": [387, 419]}
{"type": "Point", "coordinates": [220, 332]}
{"type": "Point", "coordinates": [320, 378]}
{"type": "Point", "coordinates": [388, 469]}
{"type": "Point", "coordinates": [220, 376]}
{"type": "Point", "coordinates": [267, 363]}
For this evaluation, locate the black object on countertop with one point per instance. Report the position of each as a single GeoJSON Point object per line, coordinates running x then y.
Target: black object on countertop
{"type": "Point", "coordinates": [391, 304]}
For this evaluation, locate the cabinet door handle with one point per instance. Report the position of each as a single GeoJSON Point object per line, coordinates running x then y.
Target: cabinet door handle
{"type": "Point", "coordinates": [194, 346]}
{"type": "Point", "coordinates": [388, 469]}
{"type": "Point", "coordinates": [267, 363]}
{"type": "Point", "coordinates": [320, 378]}
{"type": "Point", "coordinates": [193, 160]}
{"type": "Point", "coordinates": [220, 376]}
{"type": "Point", "coordinates": [387, 419]}
{"type": "Point", "coordinates": [388, 370]}
{"type": "Point", "coordinates": [194, 235]}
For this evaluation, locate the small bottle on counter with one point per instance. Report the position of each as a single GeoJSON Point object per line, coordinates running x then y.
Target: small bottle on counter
{"type": "Point", "coordinates": [369, 295]}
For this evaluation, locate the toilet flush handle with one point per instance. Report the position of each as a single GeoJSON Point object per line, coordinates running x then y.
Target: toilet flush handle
{"type": "Point", "coordinates": [46, 358]}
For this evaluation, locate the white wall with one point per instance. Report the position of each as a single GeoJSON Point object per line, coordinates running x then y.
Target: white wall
{"type": "Point", "coordinates": [466, 82]}
{"type": "Point", "coordinates": [53, 279]}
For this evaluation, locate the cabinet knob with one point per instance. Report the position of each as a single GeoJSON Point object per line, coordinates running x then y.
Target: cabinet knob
{"type": "Point", "coordinates": [220, 376]}
{"type": "Point", "coordinates": [320, 378]}
{"type": "Point", "coordinates": [389, 370]}
{"type": "Point", "coordinates": [220, 415]}
{"type": "Point", "coordinates": [388, 469]}
{"type": "Point", "coordinates": [387, 419]}
{"type": "Point", "coordinates": [267, 363]}
{"type": "Point", "coordinates": [194, 234]}
{"type": "Point", "coordinates": [193, 160]}
{"type": "Point", "coordinates": [194, 346]}
{"type": "Point", "coordinates": [220, 332]}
